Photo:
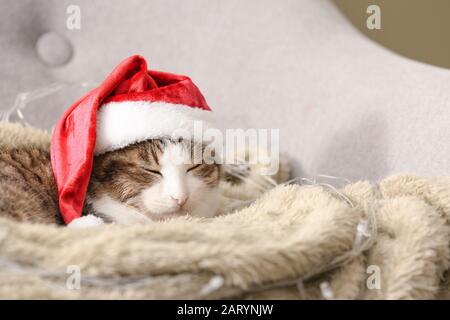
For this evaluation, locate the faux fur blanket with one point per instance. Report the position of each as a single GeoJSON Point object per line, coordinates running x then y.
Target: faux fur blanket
{"type": "Point", "coordinates": [388, 240]}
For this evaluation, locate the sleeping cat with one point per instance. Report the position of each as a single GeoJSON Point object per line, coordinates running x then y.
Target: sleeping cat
{"type": "Point", "coordinates": [147, 181]}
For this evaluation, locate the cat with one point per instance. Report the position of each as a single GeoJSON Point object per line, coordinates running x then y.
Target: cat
{"type": "Point", "coordinates": [147, 181]}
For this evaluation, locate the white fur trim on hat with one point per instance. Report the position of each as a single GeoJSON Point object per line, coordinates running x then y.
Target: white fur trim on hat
{"type": "Point", "coordinates": [86, 222]}
{"type": "Point", "coordinates": [120, 124]}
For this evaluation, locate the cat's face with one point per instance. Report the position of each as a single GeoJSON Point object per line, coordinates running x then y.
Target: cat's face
{"type": "Point", "coordinates": [154, 179]}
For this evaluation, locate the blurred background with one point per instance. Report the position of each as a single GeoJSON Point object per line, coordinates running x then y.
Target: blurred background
{"type": "Point", "coordinates": [349, 99]}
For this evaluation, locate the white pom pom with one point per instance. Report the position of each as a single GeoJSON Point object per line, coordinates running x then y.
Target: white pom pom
{"type": "Point", "coordinates": [86, 222]}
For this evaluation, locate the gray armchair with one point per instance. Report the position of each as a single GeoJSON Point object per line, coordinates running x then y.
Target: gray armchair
{"type": "Point", "coordinates": [344, 105]}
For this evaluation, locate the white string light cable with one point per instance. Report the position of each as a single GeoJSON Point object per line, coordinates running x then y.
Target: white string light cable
{"type": "Point", "coordinates": [364, 238]}
{"type": "Point", "coordinates": [19, 108]}
{"type": "Point", "coordinates": [366, 232]}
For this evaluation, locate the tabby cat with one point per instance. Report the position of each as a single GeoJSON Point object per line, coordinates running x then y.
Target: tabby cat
{"type": "Point", "coordinates": [148, 181]}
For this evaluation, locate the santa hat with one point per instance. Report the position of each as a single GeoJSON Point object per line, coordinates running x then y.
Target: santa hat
{"type": "Point", "coordinates": [133, 104]}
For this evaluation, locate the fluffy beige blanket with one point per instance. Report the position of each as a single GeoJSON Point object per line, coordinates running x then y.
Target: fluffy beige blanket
{"type": "Point", "coordinates": [388, 240]}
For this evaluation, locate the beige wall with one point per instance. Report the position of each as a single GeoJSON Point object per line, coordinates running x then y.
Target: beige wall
{"type": "Point", "coordinates": [418, 29]}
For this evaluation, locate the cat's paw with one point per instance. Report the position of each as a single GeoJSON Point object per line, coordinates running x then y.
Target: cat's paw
{"type": "Point", "coordinates": [86, 222]}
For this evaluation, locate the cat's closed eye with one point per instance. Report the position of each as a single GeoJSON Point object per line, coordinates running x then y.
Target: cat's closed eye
{"type": "Point", "coordinates": [194, 167]}
{"type": "Point", "coordinates": [154, 172]}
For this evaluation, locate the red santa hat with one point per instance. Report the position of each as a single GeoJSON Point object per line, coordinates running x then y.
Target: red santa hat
{"type": "Point", "coordinates": [133, 104]}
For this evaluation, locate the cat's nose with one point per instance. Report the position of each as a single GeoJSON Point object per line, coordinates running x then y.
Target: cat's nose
{"type": "Point", "coordinates": [180, 200]}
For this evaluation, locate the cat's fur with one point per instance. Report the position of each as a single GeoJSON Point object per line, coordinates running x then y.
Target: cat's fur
{"type": "Point", "coordinates": [146, 181]}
